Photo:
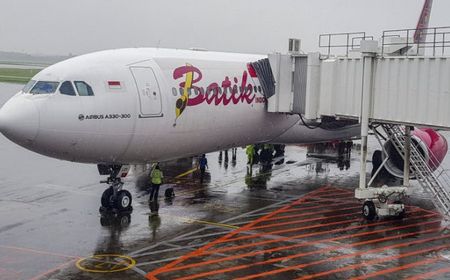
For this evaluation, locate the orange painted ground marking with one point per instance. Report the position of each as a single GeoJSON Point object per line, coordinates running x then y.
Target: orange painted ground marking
{"type": "Point", "coordinates": [276, 271]}
{"type": "Point", "coordinates": [375, 261]}
{"type": "Point", "coordinates": [342, 190]}
{"type": "Point", "coordinates": [274, 225]}
{"type": "Point", "coordinates": [323, 200]}
{"type": "Point", "coordinates": [313, 213]}
{"type": "Point", "coordinates": [397, 268]}
{"type": "Point", "coordinates": [61, 266]}
{"type": "Point", "coordinates": [343, 195]}
{"type": "Point", "coordinates": [265, 242]}
{"type": "Point", "coordinates": [313, 201]}
{"type": "Point", "coordinates": [429, 211]}
{"type": "Point", "coordinates": [430, 274]}
{"type": "Point", "coordinates": [271, 250]}
{"type": "Point", "coordinates": [327, 201]}
{"type": "Point", "coordinates": [399, 245]}
{"type": "Point", "coordinates": [276, 232]}
{"type": "Point", "coordinates": [294, 209]}
{"type": "Point", "coordinates": [298, 229]}
{"type": "Point", "coordinates": [151, 275]}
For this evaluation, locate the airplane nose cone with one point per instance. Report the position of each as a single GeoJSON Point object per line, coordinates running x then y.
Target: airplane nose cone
{"type": "Point", "coordinates": [19, 121]}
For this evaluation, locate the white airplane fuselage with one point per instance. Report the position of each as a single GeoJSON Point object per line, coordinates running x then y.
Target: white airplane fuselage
{"type": "Point", "coordinates": [151, 105]}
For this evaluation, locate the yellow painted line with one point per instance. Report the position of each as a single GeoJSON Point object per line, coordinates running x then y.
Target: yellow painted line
{"type": "Point", "coordinates": [101, 261]}
{"type": "Point", "coordinates": [186, 173]}
{"type": "Point", "coordinates": [38, 251]}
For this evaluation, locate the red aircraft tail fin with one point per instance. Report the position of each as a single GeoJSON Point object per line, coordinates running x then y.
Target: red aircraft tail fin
{"type": "Point", "coordinates": [422, 25]}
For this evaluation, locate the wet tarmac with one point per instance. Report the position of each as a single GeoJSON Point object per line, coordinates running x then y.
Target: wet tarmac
{"type": "Point", "coordinates": [295, 220]}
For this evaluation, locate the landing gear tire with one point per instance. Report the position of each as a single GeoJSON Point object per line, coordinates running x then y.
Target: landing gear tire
{"type": "Point", "coordinates": [369, 211]}
{"type": "Point", "coordinates": [123, 201]}
{"type": "Point", "coordinates": [107, 198]}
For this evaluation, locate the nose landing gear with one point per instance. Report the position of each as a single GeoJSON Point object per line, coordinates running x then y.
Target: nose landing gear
{"type": "Point", "coordinates": [114, 198]}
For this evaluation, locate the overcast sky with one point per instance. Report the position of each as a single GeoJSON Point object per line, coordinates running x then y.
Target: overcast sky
{"type": "Point", "coordinates": [251, 26]}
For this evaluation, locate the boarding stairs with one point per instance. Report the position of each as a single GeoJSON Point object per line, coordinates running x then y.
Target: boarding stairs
{"type": "Point", "coordinates": [437, 182]}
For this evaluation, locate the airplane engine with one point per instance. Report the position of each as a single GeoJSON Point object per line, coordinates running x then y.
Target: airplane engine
{"type": "Point", "coordinates": [431, 144]}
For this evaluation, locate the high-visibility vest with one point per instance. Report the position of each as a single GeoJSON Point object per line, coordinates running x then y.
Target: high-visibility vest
{"type": "Point", "coordinates": [250, 150]}
{"type": "Point", "coordinates": [157, 176]}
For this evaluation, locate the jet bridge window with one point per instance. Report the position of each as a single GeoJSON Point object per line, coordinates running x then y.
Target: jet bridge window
{"type": "Point", "coordinates": [42, 87]}
{"type": "Point", "coordinates": [84, 89]}
{"type": "Point", "coordinates": [28, 86]}
{"type": "Point", "coordinates": [67, 89]}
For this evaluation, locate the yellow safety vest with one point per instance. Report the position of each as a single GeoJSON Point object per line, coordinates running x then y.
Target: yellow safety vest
{"type": "Point", "coordinates": [157, 176]}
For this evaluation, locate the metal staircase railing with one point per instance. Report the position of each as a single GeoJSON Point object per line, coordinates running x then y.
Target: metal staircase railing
{"type": "Point", "coordinates": [422, 169]}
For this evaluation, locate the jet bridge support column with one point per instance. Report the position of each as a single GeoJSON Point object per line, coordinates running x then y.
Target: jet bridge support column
{"type": "Point", "coordinates": [369, 49]}
{"type": "Point", "coordinates": [377, 201]}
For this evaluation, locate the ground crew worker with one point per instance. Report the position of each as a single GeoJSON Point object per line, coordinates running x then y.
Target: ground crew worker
{"type": "Point", "coordinates": [250, 151]}
{"type": "Point", "coordinates": [267, 153]}
{"type": "Point", "coordinates": [156, 180]}
{"type": "Point", "coordinates": [203, 164]}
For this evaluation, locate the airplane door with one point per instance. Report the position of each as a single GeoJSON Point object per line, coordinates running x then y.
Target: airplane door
{"type": "Point", "coordinates": [149, 92]}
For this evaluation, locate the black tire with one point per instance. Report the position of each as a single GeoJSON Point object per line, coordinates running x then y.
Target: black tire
{"type": "Point", "coordinates": [104, 221]}
{"type": "Point", "coordinates": [107, 198]}
{"type": "Point", "coordinates": [169, 193]}
{"type": "Point", "coordinates": [124, 221]}
{"type": "Point", "coordinates": [124, 200]}
{"type": "Point", "coordinates": [368, 210]}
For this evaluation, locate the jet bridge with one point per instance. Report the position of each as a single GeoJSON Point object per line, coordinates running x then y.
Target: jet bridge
{"type": "Point", "coordinates": [392, 82]}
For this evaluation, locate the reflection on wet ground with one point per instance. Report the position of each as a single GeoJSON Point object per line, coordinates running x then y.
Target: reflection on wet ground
{"type": "Point", "coordinates": [292, 218]}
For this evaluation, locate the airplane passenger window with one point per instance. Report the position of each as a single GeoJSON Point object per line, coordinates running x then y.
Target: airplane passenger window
{"type": "Point", "coordinates": [42, 87]}
{"type": "Point", "coordinates": [83, 89]}
{"type": "Point", "coordinates": [67, 89]}
{"type": "Point", "coordinates": [28, 86]}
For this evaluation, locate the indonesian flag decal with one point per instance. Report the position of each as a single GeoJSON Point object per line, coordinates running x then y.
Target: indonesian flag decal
{"type": "Point", "coordinates": [251, 71]}
{"type": "Point", "coordinates": [253, 75]}
{"type": "Point", "coordinates": [114, 85]}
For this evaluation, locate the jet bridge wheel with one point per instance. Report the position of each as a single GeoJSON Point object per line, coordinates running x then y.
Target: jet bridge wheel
{"type": "Point", "coordinates": [368, 210]}
{"type": "Point", "coordinates": [401, 215]}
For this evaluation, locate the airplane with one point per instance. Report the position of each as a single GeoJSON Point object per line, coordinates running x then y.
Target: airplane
{"type": "Point", "coordinates": [123, 107]}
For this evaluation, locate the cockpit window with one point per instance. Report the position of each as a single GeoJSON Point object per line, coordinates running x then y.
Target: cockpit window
{"type": "Point", "coordinates": [42, 87]}
{"type": "Point", "coordinates": [67, 88]}
{"type": "Point", "coordinates": [84, 89]}
{"type": "Point", "coordinates": [28, 86]}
